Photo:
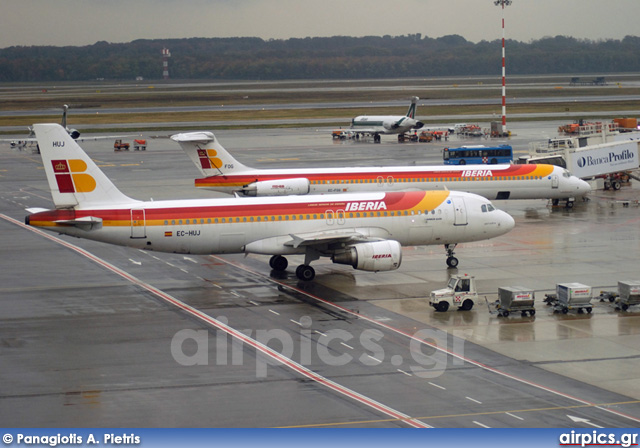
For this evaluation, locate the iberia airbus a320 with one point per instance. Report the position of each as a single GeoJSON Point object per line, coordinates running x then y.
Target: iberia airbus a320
{"type": "Point", "coordinates": [225, 174]}
{"type": "Point", "coordinates": [364, 230]}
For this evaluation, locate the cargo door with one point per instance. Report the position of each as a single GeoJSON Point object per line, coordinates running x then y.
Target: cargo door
{"type": "Point", "coordinates": [555, 182]}
{"type": "Point", "coordinates": [459, 212]}
{"type": "Point", "coordinates": [138, 223]}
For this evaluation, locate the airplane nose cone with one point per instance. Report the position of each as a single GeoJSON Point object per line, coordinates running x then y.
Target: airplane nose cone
{"type": "Point", "coordinates": [506, 222]}
{"type": "Point", "coordinates": [583, 187]}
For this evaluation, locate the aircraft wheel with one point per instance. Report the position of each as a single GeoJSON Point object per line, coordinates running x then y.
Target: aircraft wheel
{"type": "Point", "coordinates": [616, 184]}
{"type": "Point", "coordinates": [569, 204]}
{"type": "Point", "coordinates": [588, 310]}
{"type": "Point", "coordinates": [467, 305]}
{"type": "Point", "coordinates": [624, 307]}
{"type": "Point", "coordinates": [305, 273]}
{"type": "Point", "coordinates": [505, 313]}
{"type": "Point", "coordinates": [532, 312]}
{"type": "Point", "coordinates": [442, 306]}
{"type": "Point", "coordinates": [565, 310]}
{"type": "Point", "coordinates": [452, 262]}
{"type": "Point", "coordinates": [278, 263]}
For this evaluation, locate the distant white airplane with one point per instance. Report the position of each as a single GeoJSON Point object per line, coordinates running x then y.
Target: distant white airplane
{"type": "Point", "coordinates": [74, 133]}
{"type": "Point", "coordinates": [366, 231]}
{"type": "Point", "coordinates": [225, 174]}
{"type": "Point", "coordinates": [387, 124]}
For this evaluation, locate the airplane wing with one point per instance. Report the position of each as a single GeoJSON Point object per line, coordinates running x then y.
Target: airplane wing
{"type": "Point", "coordinates": [319, 239]}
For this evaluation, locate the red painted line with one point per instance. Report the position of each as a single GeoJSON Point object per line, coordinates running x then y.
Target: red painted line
{"type": "Point", "coordinates": [232, 332]}
{"type": "Point", "coordinates": [422, 341]}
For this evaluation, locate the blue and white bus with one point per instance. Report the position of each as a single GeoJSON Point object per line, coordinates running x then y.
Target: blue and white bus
{"type": "Point", "coordinates": [477, 154]}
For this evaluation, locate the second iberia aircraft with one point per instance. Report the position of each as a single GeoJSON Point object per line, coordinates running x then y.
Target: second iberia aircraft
{"type": "Point", "coordinates": [225, 174]}
{"type": "Point", "coordinates": [364, 230]}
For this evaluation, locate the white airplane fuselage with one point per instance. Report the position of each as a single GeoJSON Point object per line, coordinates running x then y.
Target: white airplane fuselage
{"type": "Point", "coordinates": [265, 226]}
{"type": "Point", "coordinates": [489, 181]}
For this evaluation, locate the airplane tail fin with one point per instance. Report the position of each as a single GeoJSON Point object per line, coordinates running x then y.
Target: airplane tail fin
{"type": "Point", "coordinates": [74, 179]}
{"type": "Point", "coordinates": [208, 154]}
{"type": "Point", "coordinates": [411, 113]}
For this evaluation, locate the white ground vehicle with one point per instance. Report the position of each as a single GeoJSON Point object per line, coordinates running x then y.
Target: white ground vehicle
{"type": "Point", "coordinates": [460, 292]}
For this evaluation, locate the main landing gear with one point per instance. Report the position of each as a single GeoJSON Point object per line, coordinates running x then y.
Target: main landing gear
{"type": "Point", "coordinates": [452, 261]}
{"type": "Point", "coordinates": [304, 272]}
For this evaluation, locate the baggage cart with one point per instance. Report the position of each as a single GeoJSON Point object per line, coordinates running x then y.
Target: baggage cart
{"type": "Point", "coordinates": [570, 296]}
{"type": "Point", "coordinates": [628, 294]}
{"type": "Point", "coordinates": [512, 299]}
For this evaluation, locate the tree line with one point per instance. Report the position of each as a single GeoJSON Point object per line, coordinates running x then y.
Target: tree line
{"type": "Point", "coordinates": [338, 57]}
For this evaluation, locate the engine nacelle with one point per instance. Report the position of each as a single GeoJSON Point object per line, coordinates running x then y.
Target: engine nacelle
{"type": "Point", "coordinates": [390, 125]}
{"type": "Point", "coordinates": [74, 133]}
{"type": "Point", "coordinates": [282, 187]}
{"type": "Point", "coordinates": [418, 125]}
{"type": "Point", "coordinates": [377, 256]}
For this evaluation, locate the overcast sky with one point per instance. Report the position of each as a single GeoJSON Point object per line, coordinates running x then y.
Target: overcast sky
{"type": "Point", "coordinates": [84, 22]}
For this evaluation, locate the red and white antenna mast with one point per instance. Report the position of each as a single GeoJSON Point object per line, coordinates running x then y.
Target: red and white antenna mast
{"type": "Point", "coordinates": [503, 3]}
{"type": "Point", "coordinates": [165, 63]}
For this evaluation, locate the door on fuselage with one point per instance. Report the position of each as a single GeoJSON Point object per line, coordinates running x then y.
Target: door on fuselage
{"type": "Point", "coordinates": [138, 223]}
{"type": "Point", "coordinates": [459, 212]}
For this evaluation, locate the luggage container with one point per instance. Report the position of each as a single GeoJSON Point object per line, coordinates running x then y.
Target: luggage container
{"type": "Point", "coordinates": [515, 298]}
{"type": "Point", "coordinates": [570, 296]}
{"type": "Point", "coordinates": [628, 294]}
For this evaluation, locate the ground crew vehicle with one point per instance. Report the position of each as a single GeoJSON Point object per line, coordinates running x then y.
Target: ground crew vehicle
{"type": "Point", "coordinates": [140, 145]}
{"type": "Point", "coordinates": [119, 145]}
{"type": "Point", "coordinates": [460, 292]}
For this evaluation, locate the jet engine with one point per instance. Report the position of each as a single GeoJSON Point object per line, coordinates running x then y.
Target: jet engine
{"type": "Point", "coordinates": [390, 124]}
{"type": "Point", "coordinates": [377, 256]}
{"type": "Point", "coordinates": [74, 133]}
{"type": "Point", "coordinates": [284, 187]}
{"type": "Point", "coordinates": [418, 125]}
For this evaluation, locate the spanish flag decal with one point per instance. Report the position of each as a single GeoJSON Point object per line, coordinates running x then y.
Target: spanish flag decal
{"type": "Point", "coordinates": [168, 233]}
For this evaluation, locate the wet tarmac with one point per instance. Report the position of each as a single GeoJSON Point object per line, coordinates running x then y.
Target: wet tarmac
{"type": "Point", "coordinates": [101, 338]}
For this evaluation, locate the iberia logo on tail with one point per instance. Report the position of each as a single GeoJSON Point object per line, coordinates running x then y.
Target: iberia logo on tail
{"type": "Point", "coordinates": [208, 159]}
{"type": "Point", "coordinates": [71, 176]}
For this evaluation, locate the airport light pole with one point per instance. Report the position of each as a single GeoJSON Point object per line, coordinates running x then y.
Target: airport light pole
{"type": "Point", "coordinates": [503, 3]}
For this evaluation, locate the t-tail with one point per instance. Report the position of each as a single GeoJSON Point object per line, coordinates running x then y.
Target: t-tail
{"type": "Point", "coordinates": [208, 154]}
{"type": "Point", "coordinates": [74, 179]}
{"type": "Point", "coordinates": [411, 113]}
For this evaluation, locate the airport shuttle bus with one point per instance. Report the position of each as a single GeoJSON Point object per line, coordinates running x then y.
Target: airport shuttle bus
{"type": "Point", "coordinates": [364, 230]}
{"type": "Point", "coordinates": [225, 174]}
{"type": "Point", "coordinates": [480, 154]}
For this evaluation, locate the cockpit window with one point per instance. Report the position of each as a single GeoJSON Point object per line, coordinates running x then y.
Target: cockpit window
{"type": "Point", "coordinates": [566, 173]}
{"type": "Point", "coordinates": [487, 208]}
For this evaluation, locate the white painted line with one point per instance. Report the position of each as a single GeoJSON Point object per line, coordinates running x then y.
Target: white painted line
{"type": "Point", "coordinates": [406, 373]}
{"type": "Point", "coordinates": [475, 401]}
{"type": "Point", "coordinates": [191, 260]}
{"type": "Point", "coordinates": [254, 303]}
{"type": "Point", "coordinates": [346, 345]}
{"type": "Point", "coordinates": [429, 344]}
{"type": "Point", "coordinates": [480, 424]}
{"type": "Point", "coordinates": [274, 312]}
{"type": "Point", "coordinates": [376, 359]}
{"type": "Point", "coordinates": [184, 270]}
{"type": "Point", "coordinates": [438, 386]}
{"type": "Point", "coordinates": [296, 322]}
{"type": "Point", "coordinates": [278, 357]}
{"type": "Point", "coordinates": [514, 416]}
{"type": "Point", "coordinates": [235, 294]}
{"type": "Point", "coordinates": [139, 263]}
{"type": "Point", "coordinates": [320, 333]}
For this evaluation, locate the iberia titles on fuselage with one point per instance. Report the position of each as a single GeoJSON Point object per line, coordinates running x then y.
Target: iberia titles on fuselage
{"type": "Point", "coordinates": [225, 174]}
{"type": "Point", "coordinates": [364, 230]}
